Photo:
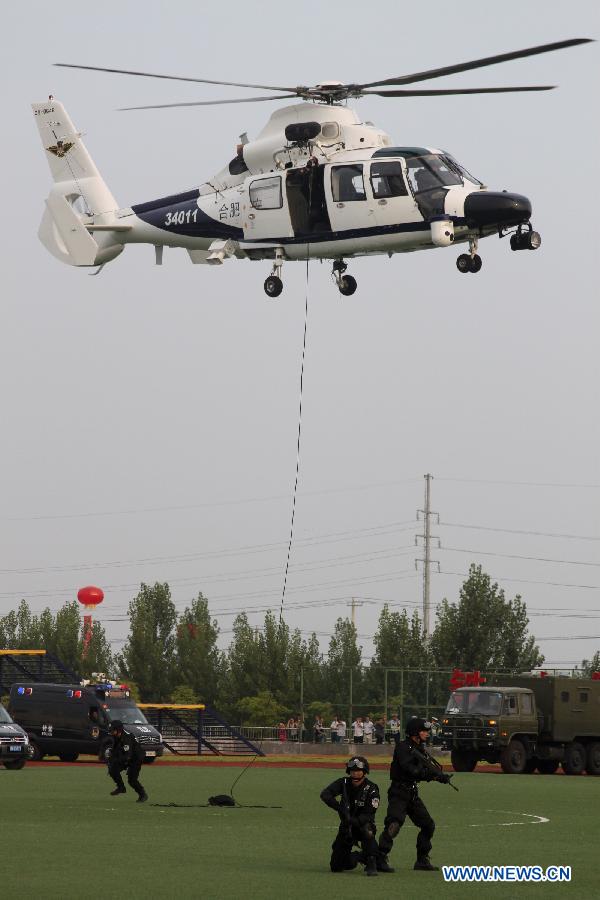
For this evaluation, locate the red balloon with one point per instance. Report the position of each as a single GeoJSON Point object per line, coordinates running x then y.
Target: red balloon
{"type": "Point", "coordinates": [90, 596]}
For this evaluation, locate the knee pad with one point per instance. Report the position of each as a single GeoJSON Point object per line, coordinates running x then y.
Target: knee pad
{"type": "Point", "coordinates": [393, 829]}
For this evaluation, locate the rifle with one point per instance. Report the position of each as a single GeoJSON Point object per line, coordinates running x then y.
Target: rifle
{"type": "Point", "coordinates": [436, 769]}
{"type": "Point", "coordinates": [345, 813]}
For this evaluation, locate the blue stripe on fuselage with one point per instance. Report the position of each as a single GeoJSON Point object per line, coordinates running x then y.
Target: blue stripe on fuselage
{"type": "Point", "coordinates": [180, 214]}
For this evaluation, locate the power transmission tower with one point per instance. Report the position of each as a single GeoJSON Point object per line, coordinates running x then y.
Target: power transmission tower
{"type": "Point", "coordinates": [427, 537]}
{"type": "Point", "coordinates": [353, 604]}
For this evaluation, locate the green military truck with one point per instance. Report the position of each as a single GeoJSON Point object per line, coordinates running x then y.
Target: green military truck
{"type": "Point", "coordinates": [526, 722]}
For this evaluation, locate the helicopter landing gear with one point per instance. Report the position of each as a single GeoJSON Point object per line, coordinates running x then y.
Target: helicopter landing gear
{"type": "Point", "coordinates": [273, 284]}
{"type": "Point", "coordinates": [469, 262]}
{"type": "Point", "coordinates": [346, 283]}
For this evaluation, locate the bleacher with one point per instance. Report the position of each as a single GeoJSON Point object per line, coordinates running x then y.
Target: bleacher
{"type": "Point", "coordinates": [33, 665]}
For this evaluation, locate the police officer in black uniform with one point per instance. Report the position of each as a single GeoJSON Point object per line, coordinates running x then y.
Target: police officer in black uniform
{"type": "Point", "coordinates": [125, 753]}
{"type": "Point", "coordinates": [409, 766]}
{"type": "Point", "coordinates": [358, 803]}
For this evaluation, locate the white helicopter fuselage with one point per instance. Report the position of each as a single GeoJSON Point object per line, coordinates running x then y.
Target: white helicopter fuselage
{"type": "Point", "coordinates": [316, 183]}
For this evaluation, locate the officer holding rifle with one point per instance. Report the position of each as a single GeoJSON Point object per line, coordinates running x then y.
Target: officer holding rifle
{"type": "Point", "coordinates": [410, 764]}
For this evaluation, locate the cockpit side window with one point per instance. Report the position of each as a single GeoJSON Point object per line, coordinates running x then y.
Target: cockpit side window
{"type": "Point", "coordinates": [431, 172]}
{"type": "Point", "coordinates": [347, 183]}
{"type": "Point", "coordinates": [266, 193]}
{"type": "Point", "coordinates": [387, 180]}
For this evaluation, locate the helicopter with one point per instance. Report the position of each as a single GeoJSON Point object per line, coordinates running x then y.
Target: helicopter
{"type": "Point", "coordinates": [316, 183]}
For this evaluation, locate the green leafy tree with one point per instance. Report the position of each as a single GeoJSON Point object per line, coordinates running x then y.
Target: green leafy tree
{"type": "Point", "coordinates": [184, 694]}
{"type": "Point", "coordinates": [149, 655]}
{"type": "Point", "coordinates": [484, 630]}
{"type": "Point", "coordinates": [343, 663]}
{"type": "Point", "coordinates": [199, 661]}
{"type": "Point", "coordinates": [589, 666]}
{"type": "Point", "coordinates": [98, 655]}
{"type": "Point", "coordinates": [262, 709]}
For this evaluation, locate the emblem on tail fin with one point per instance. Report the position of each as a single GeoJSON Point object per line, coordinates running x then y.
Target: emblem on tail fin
{"type": "Point", "coordinates": [60, 149]}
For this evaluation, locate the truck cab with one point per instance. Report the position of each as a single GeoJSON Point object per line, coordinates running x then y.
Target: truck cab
{"type": "Point", "coordinates": [14, 743]}
{"type": "Point", "coordinates": [482, 722]}
{"type": "Point", "coordinates": [66, 720]}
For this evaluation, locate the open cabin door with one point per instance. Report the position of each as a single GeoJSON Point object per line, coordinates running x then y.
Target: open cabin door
{"type": "Point", "coordinates": [307, 204]}
{"type": "Point", "coordinates": [266, 216]}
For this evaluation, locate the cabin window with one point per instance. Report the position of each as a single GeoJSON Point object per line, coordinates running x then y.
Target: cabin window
{"type": "Point", "coordinates": [510, 706]}
{"type": "Point", "coordinates": [387, 180]}
{"type": "Point", "coordinates": [347, 183]}
{"type": "Point", "coordinates": [526, 704]}
{"type": "Point", "coordinates": [583, 697]}
{"type": "Point", "coordinates": [266, 193]}
{"type": "Point", "coordinates": [564, 696]}
{"type": "Point", "coordinates": [330, 130]}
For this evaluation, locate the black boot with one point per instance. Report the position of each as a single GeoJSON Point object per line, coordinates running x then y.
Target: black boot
{"type": "Point", "coordinates": [118, 790]}
{"type": "Point", "coordinates": [371, 866]}
{"type": "Point", "coordinates": [142, 798]}
{"type": "Point", "coordinates": [425, 865]}
{"type": "Point", "coordinates": [383, 865]}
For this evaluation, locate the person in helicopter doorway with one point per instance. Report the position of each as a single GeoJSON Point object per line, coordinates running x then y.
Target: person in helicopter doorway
{"type": "Point", "coordinates": [410, 765]}
{"type": "Point", "coordinates": [357, 805]}
{"type": "Point", "coordinates": [125, 753]}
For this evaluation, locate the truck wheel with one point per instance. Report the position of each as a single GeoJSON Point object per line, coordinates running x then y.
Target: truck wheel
{"type": "Point", "coordinates": [16, 764]}
{"type": "Point", "coordinates": [574, 761]}
{"type": "Point", "coordinates": [463, 760]}
{"type": "Point", "coordinates": [68, 757]}
{"type": "Point", "coordinates": [513, 758]}
{"type": "Point", "coordinates": [547, 766]}
{"type": "Point", "coordinates": [592, 765]}
{"type": "Point", "coordinates": [35, 751]}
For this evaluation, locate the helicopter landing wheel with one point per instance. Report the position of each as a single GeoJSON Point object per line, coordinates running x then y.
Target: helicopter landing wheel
{"type": "Point", "coordinates": [273, 286]}
{"type": "Point", "coordinates": [475, 263]}
{"type": "Point", "coordinates": [463, 263]}
{"type": "Point", "coordinates": [347, 285]}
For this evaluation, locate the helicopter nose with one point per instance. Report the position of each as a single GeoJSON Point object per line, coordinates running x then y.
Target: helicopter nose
{"type": "Point", "coordinates": [485, 208]}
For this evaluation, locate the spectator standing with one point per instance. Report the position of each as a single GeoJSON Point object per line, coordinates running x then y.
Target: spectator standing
{"type": "Point", "coordinates": [318, 730]}
{"type": "Point", "coordinates": [395, 728]}
{"type": "Point", "coordinates": [333, 730]}
{"type": "Point", "coordinates": [282, 732]}
{"type": "Point", "coordinates": [358, 730]}
{"type": "Point", "coordinates": [380, 730]}
{"type": "Point", "coordinates": [292, 727]}
{"type": "Point", "coordinates": [341, 730]}
{"type": "Point", "coordinates": [369, 730]}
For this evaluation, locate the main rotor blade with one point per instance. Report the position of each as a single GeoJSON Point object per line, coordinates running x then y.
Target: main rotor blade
{"type": "Point", "coordinates": [206, 102]}
{"type": "Point", "coordinates": [264, 87]}
{"type": "Point", "coordinates": [478, 63]}
{"type": "Point", "coordinates": [442, 93]}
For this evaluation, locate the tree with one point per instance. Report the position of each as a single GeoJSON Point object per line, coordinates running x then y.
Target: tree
{"type": "Point", "coordinates": [589, 666]}
{"type": "Point", "coordinates": [149, 655]}
{"type": "Point", "coordinates": [199, 661]}
{"type": "Point", "coordinates": [484, 630]}
{"type": "Point", "coordinates": [98, 655]}
{"type": "Point", "coordinates": [262, 709]}
{"type": "Point", "coordinates": [343, 663]}
{"type": "Point", "coordinates": [399, 644]}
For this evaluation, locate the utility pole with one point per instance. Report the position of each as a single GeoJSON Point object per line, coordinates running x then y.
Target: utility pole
{"type": "Point", "coordinates": [353, 604]}
{"type": "Point", "coordinates": [426, 537]}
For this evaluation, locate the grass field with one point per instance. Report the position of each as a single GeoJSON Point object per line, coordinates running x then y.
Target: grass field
{"type": "Point", "coordinates": [64, 837]}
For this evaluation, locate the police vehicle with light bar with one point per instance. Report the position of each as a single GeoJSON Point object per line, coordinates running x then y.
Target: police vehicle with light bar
{"type": "Point", "coordinates": [65, 720]}
{"type": "Point", "coordinates": [14, 743]}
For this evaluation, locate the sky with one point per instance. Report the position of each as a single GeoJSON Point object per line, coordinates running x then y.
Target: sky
{"type": "Point", "coordinates": [150, 415]}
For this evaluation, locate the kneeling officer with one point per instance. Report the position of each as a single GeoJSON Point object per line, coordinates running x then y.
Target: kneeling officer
{"type": "Point", "coordinates": [125, 753]}
{"type": "Point", "coordinates": [358, 803]}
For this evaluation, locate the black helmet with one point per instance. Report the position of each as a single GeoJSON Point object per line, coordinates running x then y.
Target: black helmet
{"type": "Point", "coordinates": [117, 725]}
{"type": "Point", "coordinates": [357, 762]}
{"type": "Point", "coordinates": [415, 725]}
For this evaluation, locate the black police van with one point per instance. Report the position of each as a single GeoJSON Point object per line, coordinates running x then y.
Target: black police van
{"type": "Point", "coordinates": [65, 720]}
{"type": "Point", "coordinates": [14, 743]}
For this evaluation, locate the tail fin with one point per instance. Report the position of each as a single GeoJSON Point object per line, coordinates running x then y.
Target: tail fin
{"type": "Point", "coordinates": [79, 196]}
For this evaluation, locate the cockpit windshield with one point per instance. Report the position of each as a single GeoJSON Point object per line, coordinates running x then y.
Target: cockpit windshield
{"type": "Point", "coordinates": [483, 703]}
{"type": "Point", "coordinates": [434, 171]}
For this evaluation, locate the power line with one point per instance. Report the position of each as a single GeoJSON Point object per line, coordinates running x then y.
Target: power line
{"type": "Point", "coordinates": [551, 484]}
{"type": "Point", "coordinates": [569, 562]}
{"type": "Point", "coordinates": [551, 534]}
{"type": "Point", "coordinates": [589, 587]}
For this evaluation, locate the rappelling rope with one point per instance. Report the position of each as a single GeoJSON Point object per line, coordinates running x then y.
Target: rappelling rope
{"type": "Point", "coordinates": [289, 551]}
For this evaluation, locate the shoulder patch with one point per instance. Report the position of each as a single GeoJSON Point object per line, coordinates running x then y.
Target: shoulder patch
{"type": "Point", "coordinates": [375, 802]}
